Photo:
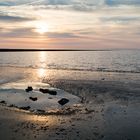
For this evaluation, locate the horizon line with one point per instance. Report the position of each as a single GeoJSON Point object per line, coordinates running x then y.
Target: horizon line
{"type": "Point", "coordinates": [18, 50]}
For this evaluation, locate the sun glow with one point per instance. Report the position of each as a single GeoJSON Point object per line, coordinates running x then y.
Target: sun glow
{"type": "Point", "coordinates": [41, 27]}
{"type": "Point", "coordinates": [42, 59]}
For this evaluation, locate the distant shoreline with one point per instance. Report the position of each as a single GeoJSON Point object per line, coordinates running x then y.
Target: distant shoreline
{"type": "Point", "coordinates": [34, 50]}
{"type": "Point", "coordinates": [18, 50]}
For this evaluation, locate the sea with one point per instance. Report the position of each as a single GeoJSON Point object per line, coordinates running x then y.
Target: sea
{"type": "Point", "coordinates": [121, 61]}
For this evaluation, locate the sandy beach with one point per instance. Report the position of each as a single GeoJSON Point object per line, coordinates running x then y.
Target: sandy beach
{"type": "Point", "coordinates": [110, 109]}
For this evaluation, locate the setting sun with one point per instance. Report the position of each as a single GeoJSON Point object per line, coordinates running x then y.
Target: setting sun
{"type": "Point", "coordinates": [41, 27]}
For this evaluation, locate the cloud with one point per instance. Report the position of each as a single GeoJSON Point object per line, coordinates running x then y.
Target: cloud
{"type": "Point", "coordinates": [14, 18]}
{"type": "Point", "coordinates": [121, 19]}
{"type": "Point", "coordinates": [79, 5]}
{"type": "Point", "coordinates": [122, 2]}
{"type": "Point", "coordinates": [19, 32]}
{"type": "Point", "coordinates": [61, 35]}
{"type": "Point", "coordinates": [75, 4]}
{"type": "Point", "coordinates": [29, 32]}
{"type": "Point", "coordinates": [34, 2]}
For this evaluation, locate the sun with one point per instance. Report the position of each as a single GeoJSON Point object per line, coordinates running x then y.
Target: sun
{"type": "Point", "coordinates": [41, 27]}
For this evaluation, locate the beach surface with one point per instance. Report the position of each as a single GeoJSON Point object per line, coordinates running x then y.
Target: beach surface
{"type": "Point", "coordinates": [110, 107]}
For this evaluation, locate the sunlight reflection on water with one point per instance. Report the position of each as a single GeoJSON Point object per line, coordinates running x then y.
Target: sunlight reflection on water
{"type": "Point", "coordinates": [42, 58]}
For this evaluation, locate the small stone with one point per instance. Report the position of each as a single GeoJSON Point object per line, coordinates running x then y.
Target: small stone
{"type": "Point", "coordinates": [40, 111]}
{"type": "Point", "coordinates": [61, 130]}
{"type": "Point", "coordinates": [103, 79]}
{"type": "Point", "coordinates": [28, 89]}
{"type": "Point", "coordinates": [3, 102]}
{"type": "Point", "coordinates": [57, 133]}
{"type": "Point", "coordinates": [51, 92]}
{"type": "Point", "coordinates": [63, 101]}
{"type": "Point", "coordinates": [33, 98]}
{"type": "Point", "coordinates": [25, 108]}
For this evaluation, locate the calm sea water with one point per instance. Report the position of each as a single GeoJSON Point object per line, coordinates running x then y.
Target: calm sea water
{"type": "Point", "coordinates": [112, 61]}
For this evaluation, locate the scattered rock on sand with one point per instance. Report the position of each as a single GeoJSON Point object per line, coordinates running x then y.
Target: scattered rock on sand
{"type": "Point", "coordinates": [40, 111]}
{"type": "Point", "coordinates": [63, 101]}
{"type": "Point", "coordinates": [103, 79]}
{"type": "Point", "coordinates": [3, 102]}
{"type": "Point", "coordinates": [33, 98]}
{"type": "Point", "coordinates": [51, 92]}
{"type": "Point", "coordinates": [29, 89]}
{"type": "Point", "coordinates": [25, 108]}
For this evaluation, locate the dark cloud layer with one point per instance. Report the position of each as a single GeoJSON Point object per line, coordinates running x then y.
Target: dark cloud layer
{"type": "Point", "coordinates": [69, 2]}
{"type": "Point", "coordinates": [14, 18]}
{"type": "Point", "coordinates": [78, 5]}
{"type": "Point", "coordinates": [121, 19]}
{"type": "Point", "coordinates": [122, 2]}
{"type": "Point", "coordinates": [29, 32]}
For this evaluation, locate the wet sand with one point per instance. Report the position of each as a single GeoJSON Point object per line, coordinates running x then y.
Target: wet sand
{"type": "Point", "coordinates": [111, 109]}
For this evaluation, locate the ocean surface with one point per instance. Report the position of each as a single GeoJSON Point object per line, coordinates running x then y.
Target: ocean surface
{"type": "Point", "coordinates": [108, 61]}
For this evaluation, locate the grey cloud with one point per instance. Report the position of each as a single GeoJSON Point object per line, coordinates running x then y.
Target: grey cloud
{"type": "Point", "coordinates": [74, 3]}
{"type": "Point", "coordinates": [14, 18]}
{"type": "Point", "coordinates": [120, 19]}
{"type": "Point", "coordinates": [33, 2]}
{"type": "Point", "coordinates": [122, 2]}
{"type": "Point", "coordinates": [29, 32]}
{"type": "Point", "coordinates": [61, 35]}
{"type": "Point", "coordinates": [78, 5]}
{"type": "Point", "coordinates": [20, 32]}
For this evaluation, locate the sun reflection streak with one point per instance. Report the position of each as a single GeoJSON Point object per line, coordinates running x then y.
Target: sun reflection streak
{"type": "Point", "coordinates": [41, 72]}
{"type": "Point", "coordinates": [42, 61]}
{"type": "Point", "coordinates": [41, 119]}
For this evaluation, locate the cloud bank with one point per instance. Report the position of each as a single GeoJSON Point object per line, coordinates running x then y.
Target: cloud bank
{"type": "Point", "coordinates": [89, 23]}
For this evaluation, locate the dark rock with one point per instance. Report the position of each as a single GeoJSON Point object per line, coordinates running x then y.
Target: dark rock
{"type": "Point", "coordinates": [89, 111]}
{"type": "Point", "coordinates": [83, 99]}
{"type": "Point", "coordinates": [102, 136]}
{"type": "Point", "coordinates": [51, 92]}
{"type": "Point", "coordinates": [63, 101]}
{"type": "Point", "coordinates": [62, 129]}
{"type": "Point", "coordinates": [28, 89]}
{"type": "Point", "coordinates": [11, 105]}
{"type": "Point", "coordinates": [96, 133]}
{"type": "Point", "coordinates": [40, 111]}
{"type": "Point", "coordinates": [3, 102]}
{"type": "Point", "coordinates": [33, 98]}
{"type": "Point", "coordinates": [25, 108]}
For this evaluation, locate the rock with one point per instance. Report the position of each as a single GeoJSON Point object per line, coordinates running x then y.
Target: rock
{"type": "Point", "coordinates": [33, 98]}
{"type": "Point", "coordinates": [25, 108]}
{"type": "Point", "coordinates": [83, 99]}
{"type": "Point", "coordinates": [3, 102]}
{"type": "Point", "coordinates": [40, 111]}
{"type": "Point", "coordinates": [62, 129]}
{"type": "Point", "coordinates": [63, 101]}
{"type": "Point", "coordinates": [28, 89]}
{"type": "Point", "coordinates": [11, 105]}
{"type": "Point", "coordinates": [89, 111]}
{"type": "Point", "coordinates": [51, 92]}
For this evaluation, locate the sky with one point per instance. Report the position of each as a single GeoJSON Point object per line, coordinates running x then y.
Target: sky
{"type": "Point", "coordinates": [70, 24]}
